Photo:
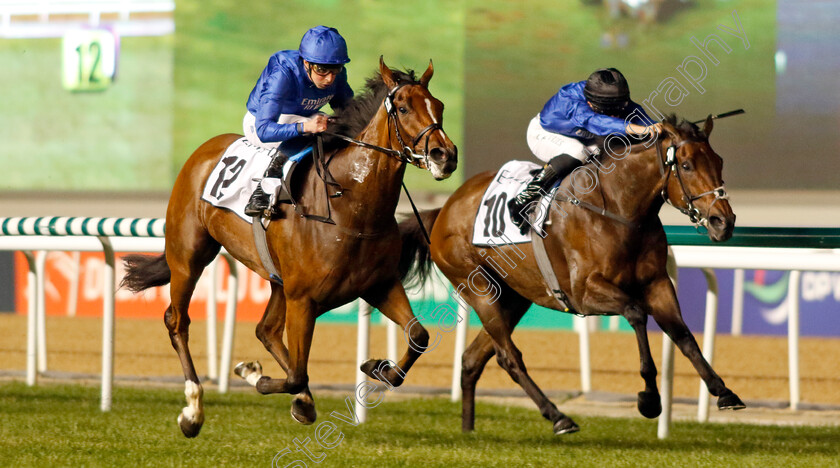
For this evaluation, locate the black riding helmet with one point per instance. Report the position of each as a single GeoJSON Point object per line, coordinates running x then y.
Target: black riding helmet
{"type": "Point", "coordinates": [607, 90]}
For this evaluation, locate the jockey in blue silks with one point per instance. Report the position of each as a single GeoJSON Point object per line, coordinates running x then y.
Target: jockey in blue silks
{"type": "Point", "coordinates": [560, 134]}
{"type": "Point", "coordinates": [283, 106]}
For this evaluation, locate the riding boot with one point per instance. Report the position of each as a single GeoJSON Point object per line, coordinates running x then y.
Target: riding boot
{"type": "Point", "coordinates": [557, 168]}
{"type": "Point", "coordinates": [259, 200]}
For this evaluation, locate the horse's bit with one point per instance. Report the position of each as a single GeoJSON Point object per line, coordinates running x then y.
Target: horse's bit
{"type": "Point", "coordinates": [670, 161]}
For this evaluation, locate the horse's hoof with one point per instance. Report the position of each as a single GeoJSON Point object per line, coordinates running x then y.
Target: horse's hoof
{"type": "Point", "coordinates": [188, 427]}
{"type": "Point", "coordinates": [731, 401]}
{"type": "Point", "coordinates": [375, 368]}
{"type": "Point", "coordinates": [565, 425]}
{"type": "Point", "coordinates": [243, 369]}
{"type": "Point", "coordinates": [303, 411]}
{"type": "Point", "coordinates": [649, 404]}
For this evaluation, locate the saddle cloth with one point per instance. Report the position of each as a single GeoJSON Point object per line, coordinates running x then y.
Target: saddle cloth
{"type": "Point", "coordinates": [492, 221]}
{"type": "Point", "coordinates": [237, 174]}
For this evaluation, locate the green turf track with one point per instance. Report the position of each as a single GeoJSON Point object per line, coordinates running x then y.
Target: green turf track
{"type": "Point", "coordinates": [61, 425]}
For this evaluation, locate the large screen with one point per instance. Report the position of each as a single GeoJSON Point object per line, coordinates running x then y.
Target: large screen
{"type": "Point", "coordinates": [690, 58]}
{"type": "Point", "coordinates": [183, 76]}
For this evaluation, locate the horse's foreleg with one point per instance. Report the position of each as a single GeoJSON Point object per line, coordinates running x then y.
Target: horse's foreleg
{"type": "Point", "coordinates": [270, 332]}
{"type": "Point", "coordinates": [392, 301]}
{"type": "Point", "coordinates": [665, 309]}
{"type": "Point", "coordinates": [603, 297]}
{"type": "Point", "coordinates": [300, 325]}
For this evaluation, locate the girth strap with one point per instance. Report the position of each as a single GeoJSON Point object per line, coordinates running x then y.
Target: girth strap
{"type": "Point", "coordinates": [544, 264]}
{"type": "Point", "coordinates": [262, 250]}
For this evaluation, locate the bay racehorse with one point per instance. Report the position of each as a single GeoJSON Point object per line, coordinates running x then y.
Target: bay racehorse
{"type": "Point", "coordinates": [323, 266]}
{"type": "Point", "coordinates": [610, 264]}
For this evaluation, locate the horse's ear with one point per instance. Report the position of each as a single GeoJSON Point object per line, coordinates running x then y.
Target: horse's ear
{"type": "Point", "coordinates": [708, 126]}
{"type": "Point", "coordinates": [427, 75]}
{"type": "Point", "coordinates": [387, 74]}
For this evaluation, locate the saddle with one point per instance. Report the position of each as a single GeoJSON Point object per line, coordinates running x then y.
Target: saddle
{"type": "Point", "coordinates": [282, 193]}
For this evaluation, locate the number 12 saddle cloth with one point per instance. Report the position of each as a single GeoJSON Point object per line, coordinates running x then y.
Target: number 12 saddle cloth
{"type": "Point", "coordinates": [232, 181]}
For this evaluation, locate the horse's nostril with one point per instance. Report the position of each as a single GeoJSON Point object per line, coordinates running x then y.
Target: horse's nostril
{"type": "Point", "coordinates": [716, 221]}
{"type": "Point", "coordinates": [438, 155]}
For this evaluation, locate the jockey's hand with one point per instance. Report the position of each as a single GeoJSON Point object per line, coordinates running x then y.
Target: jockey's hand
{"type": "Point", "coordinates": [640, 130]}
{"type": "Point", "coordinates": [655, 128]}
{"type": "Point", "coordinates": [316, 124]}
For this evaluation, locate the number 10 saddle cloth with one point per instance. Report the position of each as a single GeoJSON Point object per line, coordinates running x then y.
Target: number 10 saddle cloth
{"type": "Point", "coordinates": [493, 225]}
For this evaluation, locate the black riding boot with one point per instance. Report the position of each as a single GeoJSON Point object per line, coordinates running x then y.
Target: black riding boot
{"type": "Point", "coordinates": [259, 199]}
{"type": "Point", "coordinates": [557, 168]}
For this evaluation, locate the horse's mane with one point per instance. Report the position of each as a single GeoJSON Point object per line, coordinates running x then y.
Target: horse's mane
{"type": "Point", "coordinates": [353, 118]}
{"type": "Point", "coordinates": [686, 129]}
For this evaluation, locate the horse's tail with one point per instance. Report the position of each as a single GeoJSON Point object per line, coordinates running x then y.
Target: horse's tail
{"type": "Point", "coordinates": [416, 258]}
{"type": "Point", "coordinates": [144, 272]}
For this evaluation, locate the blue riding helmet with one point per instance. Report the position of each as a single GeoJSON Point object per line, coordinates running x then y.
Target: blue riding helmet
{"type": "Point", "coordinates": [324, 45]}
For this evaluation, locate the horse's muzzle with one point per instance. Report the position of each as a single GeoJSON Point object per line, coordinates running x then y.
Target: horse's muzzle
{"type": "Point", "coordinates": [443, 161]}
{"type": "Point", "coordinates": [721, 227]}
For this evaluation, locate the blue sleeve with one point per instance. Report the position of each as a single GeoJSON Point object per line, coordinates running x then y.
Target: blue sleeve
{"type": "Point", "coordinates": [343, 93]}
{"type": "Point", "coordinates": [278, 85]}
{"type": "Point", "coordinates": [641, 117]}
{"type": "Point", "coordinates": [596, 123]}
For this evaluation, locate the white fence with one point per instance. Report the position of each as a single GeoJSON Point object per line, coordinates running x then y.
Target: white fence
{"type": "Point", "coordinates": [35, 236]}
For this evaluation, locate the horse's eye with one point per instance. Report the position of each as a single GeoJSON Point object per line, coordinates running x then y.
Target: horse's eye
{"type": "Point", "coordinates": [687, 165]}
{"type": "Point", "coordinates": [403, 110]}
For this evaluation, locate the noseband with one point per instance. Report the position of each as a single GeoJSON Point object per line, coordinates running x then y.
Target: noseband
{"type": "Point", "coordinates": [670, 161]}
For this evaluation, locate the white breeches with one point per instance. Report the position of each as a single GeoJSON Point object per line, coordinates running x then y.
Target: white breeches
{"type": "Point", "coordinates": [546, 145]}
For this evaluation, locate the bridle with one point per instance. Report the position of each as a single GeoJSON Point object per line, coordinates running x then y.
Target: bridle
{"type": "Point", "coordinates": [406, 154]}
{"type": "Point", "coordinates": [670, 160]}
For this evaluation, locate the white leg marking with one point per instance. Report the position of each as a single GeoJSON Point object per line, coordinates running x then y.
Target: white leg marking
{"type": "Point", "coordinates": [250, 371]}
{"type": "Point", "coordinates": [194, 411]}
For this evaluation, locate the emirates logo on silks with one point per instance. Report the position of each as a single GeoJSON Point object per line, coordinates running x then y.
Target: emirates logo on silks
{"type": "Point", "coordinates": [313, 104]}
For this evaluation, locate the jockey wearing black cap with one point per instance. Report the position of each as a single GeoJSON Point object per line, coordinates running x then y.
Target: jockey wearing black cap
{"type": "Point", "coordinates": [568, 122]}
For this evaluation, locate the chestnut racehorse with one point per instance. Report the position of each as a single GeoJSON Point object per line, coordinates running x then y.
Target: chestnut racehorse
{"type": "Point", "coordinates": [607, 265]}
{"type": "Point", "coordinates": [322, 266]}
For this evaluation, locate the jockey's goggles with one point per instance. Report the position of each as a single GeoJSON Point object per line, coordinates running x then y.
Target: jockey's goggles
{"type": "Point", "coordinates": [324, 70]}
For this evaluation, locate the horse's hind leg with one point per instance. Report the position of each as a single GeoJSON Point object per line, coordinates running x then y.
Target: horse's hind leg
{"type": "Point", "coordinates": [186, 265]}
{"type": "Point", "coordinates": [472, 365]}
{"type": "Point", "coordinates": [665, 309]}
{"type": "Point", "coordinates": [270, 332]}
{"type": "Point", "coordinates": [495, 319]}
